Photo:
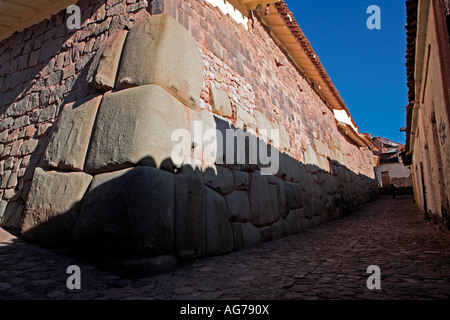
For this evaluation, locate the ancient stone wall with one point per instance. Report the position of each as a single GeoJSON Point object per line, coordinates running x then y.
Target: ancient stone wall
{"type": "Point", "coordinates": [89, 131]}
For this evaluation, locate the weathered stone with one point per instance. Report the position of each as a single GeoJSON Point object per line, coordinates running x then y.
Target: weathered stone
{"type": "Point", "coordinates": [237, 236]}
{"type": "Point", "coordinates": [317, 207]}
{"type": "Point", "coordinates": [69, 142]}
{"type": "Point", "coordinates": [219, 236]}
{"type": "Point", "coordinates": [248, 120]}
{"type": "Point", "coordinates": [295, 197]}
{"type": "Point", "coordinates": [203, 137]}
{"type": "Point", "coordinates": [279, 229]}
{"type": "Point", "coordinates": [241, 180]}
{"type": "Point", "coordinates": [282, 196]}
{"type": "Point", "coordinates": [266, 233]}
{"type": "Point", "coordinates": [264, 126]}
{"type": "Point", "coordinates": [292, 169]}
{"type": "Point", "coordinates": [221, 103]}
{"type": "Point", "coordinates": [161, 51]}
{"type": "Point", "coordinates": [5, 178]}
{"type": "Point", "coordinates": [260, 200]}
{"type": "Point", "coordinates": [135, 126]}
{"type": "Point", "coordinates": [219, 179]}
{"type": "Point", "coordinates": [293, 220]}
{"type": "Point", "coordinates": [245, 235]}
{"type": "Point", "coordinates": [3, 204]}
{"type": "Point", "coordinates": [190, 225]}
{"type": "Point", "coordinates": [238, 206]}
{"type": "Point", "coordinates": [106, 73]}
{"type": "Point", "coordinates": [12, 181]}
{"type": "Point", "coordinates": [128, 213]}
{"type": "Point", "coordinates": [305, 224]}
{"type": "Point", "coordinates": [274, 200]}
{"type": "Point", "coordinates": [284, 140]}
{"type": "Point", "coordinates": [12, 215]}
{"type": "Point", "coordinates": [52, 206]}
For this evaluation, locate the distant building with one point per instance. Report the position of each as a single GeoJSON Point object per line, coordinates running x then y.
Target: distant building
{"type": "Point", "coordinates": [390, 169]}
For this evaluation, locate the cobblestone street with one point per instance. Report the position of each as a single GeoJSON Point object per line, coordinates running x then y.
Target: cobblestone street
{"type": "Point", "coordinates": [327, 262]}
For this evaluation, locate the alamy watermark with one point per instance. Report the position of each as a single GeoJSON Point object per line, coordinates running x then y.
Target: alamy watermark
{"type": "Point", "coordinates": [234, 146]}
{"type": "Point", "coordinates": [74, 20]}
{"type": "Point", "coordinates": [74, 280]}
{"type": "Point", "coordinates": [374, 280]}
{"type": "Point", "coordinates": [374, 21]}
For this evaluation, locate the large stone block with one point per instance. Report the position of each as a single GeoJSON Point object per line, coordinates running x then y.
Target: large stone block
{"type": "Point", "coordinates": [128, 213]}
{"type": "Point", "coordinates": [245, 235]}
{"type": "Point", "coordinates": [294, 219]}
{"type": "Point", "coordinates": [247, 119]}
{"type": "Point", "coordinates": [219, 235]}
{"type": "Point", "coordinates": [69, 142]}
{"type": "Point", "coordinates": [279, 229]}
{"type": "Point", "coordinates": [221, 103]}
{"type": "Point", "coordinates": [260, 200]}
{"type": "Point", "coordinates": [282, 196]}
{"type": "Point", "coordinates": [52, 206]}
{"type": "Point", "coordinates": [264, 126]}
{"type": "Point", "coordinates": [284, 140]}
{"type": "Point", "coordinates": [238, 206]}
{"type": "Point", "coordinates": [190, 224]}
{"type": "Point", "coordinates": [161, 51]}
{"type": "Point", "coordinates": [135, 126]}
{"type": "Point", "coordinates": [105, 76]}
{"type": "Point", "coordinates": [295, 196]}
{"type": "Point", "coordinates": [219, 179]}
{"type": "Point", "coordinates": [12, 215]}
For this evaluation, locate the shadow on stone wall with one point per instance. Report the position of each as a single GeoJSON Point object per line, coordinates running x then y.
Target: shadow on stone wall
{"type": "Point", "coordinates": [141, 221]}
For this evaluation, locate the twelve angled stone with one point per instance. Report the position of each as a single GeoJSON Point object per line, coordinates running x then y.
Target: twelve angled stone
{"type": "Point", "coordinates": [161, 51]}
{"type": "Point", "coordinates": [128, 213]}
{"type": "Point", "coordinates": [135, 126]}
{"type": "Point", "coordinates": [69, 143]}
{"type": "Point", "coordinates": [52, 205]}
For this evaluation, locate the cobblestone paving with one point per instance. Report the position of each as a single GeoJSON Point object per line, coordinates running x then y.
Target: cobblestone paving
{"type": "Point", "coordinates": [327, 262]}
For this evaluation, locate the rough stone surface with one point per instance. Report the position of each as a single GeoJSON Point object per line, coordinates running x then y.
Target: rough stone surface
{"type": "Point", "coordinates": [260, 200]}
{"type": "Point", "coordinates": [221, 103]}
{"type": "Point", "coordinates": [151, 55]}
{"type": "Point", "coordinates": [245, 235]}
{"type": "Point", "coordinates": [241, 180]}
{"type": "Point", "coordinates": [52, 206]}
{"type": "Point", "coordinates": [122, 214]}
{"type": "Point", "coordinates": [247, 119]}
{"type": "Point", "coordinates": [106, 72]}
{"type": "Point", "coordinates": [238, 206]}
{"type": "Point", "coordinates": [145, 267]}
{"type": "Point", "coordinates": [219, 236]}
{"type": "Point", "coordinates": [69, 142]}
{"type": "Point", "coordinates": [190, 224]}
{"type": "Point", "coordinates": [279, 229]}
{"type": "Point", "coordinates": [219, 179]}
{"type": "Point", "coordinates": [135, 126]}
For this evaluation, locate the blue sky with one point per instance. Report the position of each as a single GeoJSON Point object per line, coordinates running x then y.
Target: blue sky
{"type": "Point", "coordinates": [366, 66]}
